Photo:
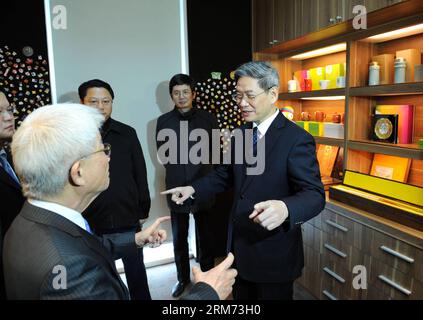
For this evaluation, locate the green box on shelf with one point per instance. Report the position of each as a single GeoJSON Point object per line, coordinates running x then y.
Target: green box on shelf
{"type": "Point", "coordinates": [315, 128]}
{"type": "Point", "coordinates": [303, 124]}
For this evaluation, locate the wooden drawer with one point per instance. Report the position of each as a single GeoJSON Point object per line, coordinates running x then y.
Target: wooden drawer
{"type": "Point", "coordinates": [338, 226]}
{"type": "Point", "coordinates": [335, 271]}
{"type": "Point", "coordinates": [336, 281]}
{"type": "Point", "coordinates": [308, 234]}
{"type": "Point", "coordinates": [347, 230]}
{"type": "Point", "coordinates": [311, 259]}
{"type": "Point", "coordinates": [387, 282]}
{"type": "Point", "coordinates": [390, 281]}
{"type": "Point", "coordinates": [335, 250]}
{"type": "Point", "coordinates": [311, 281]}
{"type": "Point", "coordinates": [417, 290]}
{"type": "Point", "coordinates": [337, 289]}
{"type": "Point", "coordinates": [317, 220]}
{"type": "Point", "coordinates": [344, 254]}
{"type": "Point", "coordinates": [397, 254]}
{"type": "Point", "coordinates": [312, 236]}
{"type": "Point", "coordinates": [374, 293]}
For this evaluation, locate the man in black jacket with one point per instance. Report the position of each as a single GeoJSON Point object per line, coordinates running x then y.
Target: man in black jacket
{"type": "Point", "coordinates": [183, 120]}
{"type": "Point", "coordinates": [10, 189]}
{"type": "Point", "coordinates": [126, 203]}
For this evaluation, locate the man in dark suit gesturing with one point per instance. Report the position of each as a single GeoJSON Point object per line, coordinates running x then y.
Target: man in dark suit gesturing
{"type": "Point", "coordinates": [50, 251]}
{"type": "Point", "coordinates": [272, 199]}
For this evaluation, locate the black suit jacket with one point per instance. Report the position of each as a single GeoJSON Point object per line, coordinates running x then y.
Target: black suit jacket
{"type": "Point", "coordinates": [12, 201]}
{"type": "Point", "coordinates": [182, 174]}
{"type": "Point", "coordinates": [292, 175]}
{"type": "Point", "coordinates": [11, 197]}
{"type": "Point", "coordinates": [127, 200]}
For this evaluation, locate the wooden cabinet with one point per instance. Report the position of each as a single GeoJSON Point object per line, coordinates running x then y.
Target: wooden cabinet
{"type": "Point", "coordinates": [342, 237]}
{"type": "Point", "coordinates": [330, 12]}
{"type": "Point", "coordinates": [340, 240]}
{"type": "Point", "coordinates": [262, 24]}
{"type": "Point", "coordinates": [276, 21]}
{"type": "Point", "coordinates": [335, 11]}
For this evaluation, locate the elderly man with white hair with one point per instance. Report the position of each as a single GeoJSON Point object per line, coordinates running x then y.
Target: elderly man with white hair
{"type": "Point", "coordinates": [49, 250]}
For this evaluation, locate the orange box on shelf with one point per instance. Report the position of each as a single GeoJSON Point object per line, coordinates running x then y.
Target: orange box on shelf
{"type": "Point", "coordinates": [412, 58]}
{"type": "Point", "coordinates": [386, 63]}
{"type": "Point", "coordinates": [390, 167]}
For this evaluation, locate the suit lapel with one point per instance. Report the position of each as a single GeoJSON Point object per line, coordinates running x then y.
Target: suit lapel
{"type": "Point", "coordinates": [271, 137]}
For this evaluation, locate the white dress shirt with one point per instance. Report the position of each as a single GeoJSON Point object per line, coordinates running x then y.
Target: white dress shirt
{"type": "Point", "coordinates": [264, 126]}
{"type": "Point", "coordinates": [67, 213]}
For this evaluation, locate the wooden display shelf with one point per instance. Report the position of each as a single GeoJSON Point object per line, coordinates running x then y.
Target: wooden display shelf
{"type": "Point", "coordinates": [329, 141]}
{"type": "Point", "coordinates": [312, 94]}
{"type": "Point", "coordinates": [411, 88]}
{"type": "Point", "coordinates": [401, 150]}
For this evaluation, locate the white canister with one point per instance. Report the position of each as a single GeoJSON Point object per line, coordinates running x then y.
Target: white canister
{"type": "Point", "coordinates": [374, 74]}
{"type": "Point", "coordinates": [400, 69]}
{"type": "Point", "coordinates": [292, 85]}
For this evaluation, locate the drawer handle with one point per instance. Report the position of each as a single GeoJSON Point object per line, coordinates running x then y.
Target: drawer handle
{"type": "Point", "coordinates": [329, 295]}
{"type": "Point", "coordinates": [397, 254]}
{"type": "Point", "coordinates": [394, 285]}
{"type": "Point", "coordinates": [335, 251]}
{"type": "Point", "coordinates": [334, 275]}
{"type": "Point", "coordinates": [337, 226]}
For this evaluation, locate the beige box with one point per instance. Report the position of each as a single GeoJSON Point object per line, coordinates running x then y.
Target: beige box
{"type": "Point", "coordinates": [386, 63]}
{"type": "Point", "coordinates": [412, 57]}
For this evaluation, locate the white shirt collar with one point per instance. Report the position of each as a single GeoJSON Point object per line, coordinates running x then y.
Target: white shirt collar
{"type": "Point", "coordinates": [67, 213]}
{"type": "Point", "coordinates": [264, 126]}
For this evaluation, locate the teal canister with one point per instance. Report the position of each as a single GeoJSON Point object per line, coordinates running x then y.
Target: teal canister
{"type": "Point", "coordinates": [374, 74]}
{"type": "Point", "coordinates": [400, 67]}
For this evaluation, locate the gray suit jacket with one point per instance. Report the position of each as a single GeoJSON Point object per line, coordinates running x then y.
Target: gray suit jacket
{"type": "Point", "coordinates": [48, 257]}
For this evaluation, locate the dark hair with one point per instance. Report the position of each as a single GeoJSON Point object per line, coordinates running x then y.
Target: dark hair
{"type": "Point", "coordinates": [264, 72]}
{"type": "Point", "coordinates": [181, 79]}
{"type": "Point", "coordinates": [95, 83]}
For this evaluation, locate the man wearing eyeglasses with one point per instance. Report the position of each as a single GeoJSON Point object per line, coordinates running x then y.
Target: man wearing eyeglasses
{"type": "Point", "coordinates": [185, 113]}
{"type": "Point", "coordinates": [268, 208]}
{"type": "Point", "coordinates": [50, 251]}
{"type": "Point", "coordinates": [125, 205]}
{"type": "Point", "coordinates": [10, 188]}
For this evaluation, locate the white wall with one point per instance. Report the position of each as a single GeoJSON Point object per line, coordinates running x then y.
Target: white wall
{"type": "Point", "coordinates": [135, 45]}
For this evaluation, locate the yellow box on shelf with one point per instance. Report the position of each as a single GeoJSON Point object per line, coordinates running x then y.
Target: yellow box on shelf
{"type": "Point", "coordinates": [316, 74]}
{"type": "Point", "coordinates": [333, 72]}
{"type": "Point", "coordinates": [389, 188]}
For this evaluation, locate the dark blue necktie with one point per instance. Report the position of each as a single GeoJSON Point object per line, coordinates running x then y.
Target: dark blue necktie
{"type": "Point", "coordinates": [6, 166]}
{"type": "Point", "coordinates": [255, 138]}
